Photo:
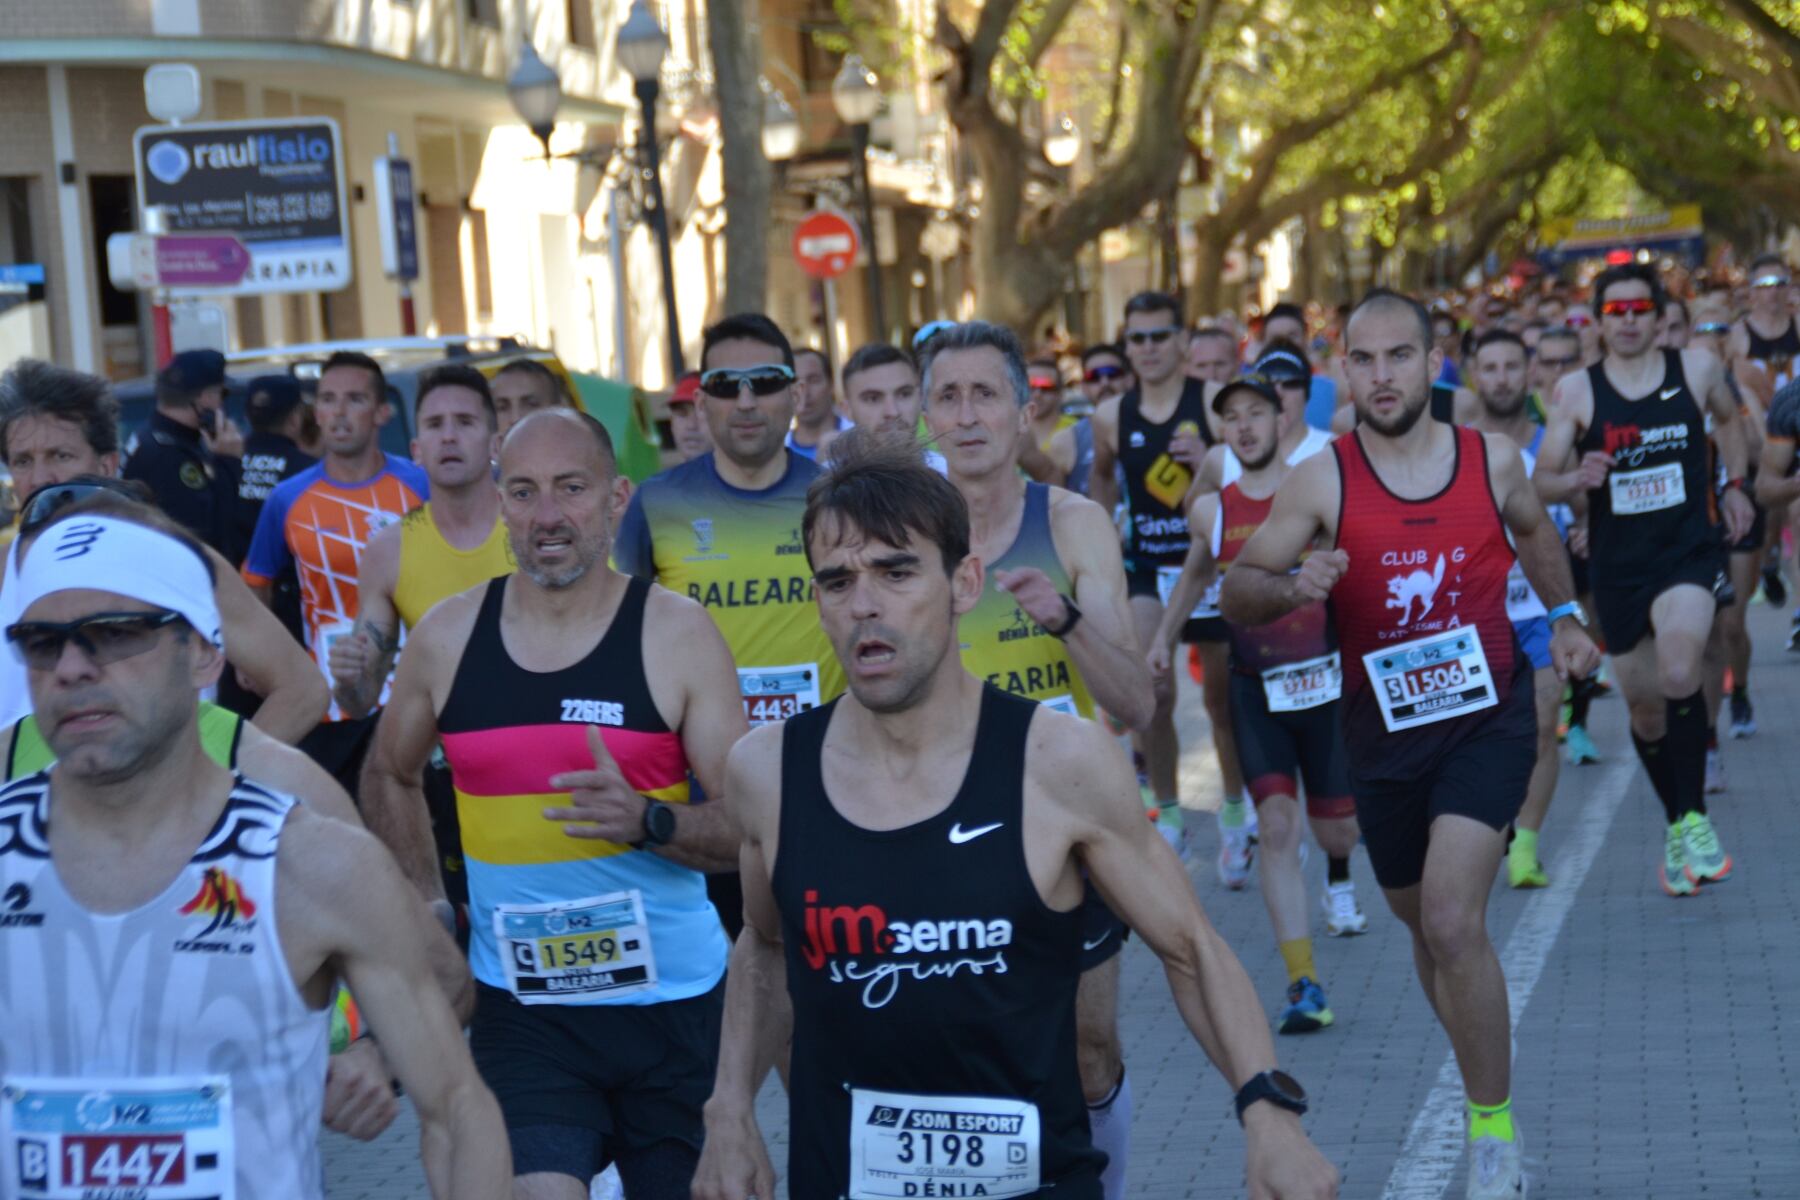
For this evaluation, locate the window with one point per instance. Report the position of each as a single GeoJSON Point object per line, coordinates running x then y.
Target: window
{"type": "Point", "coordinates": [581, 23]}
{"type": "Point", "coordinates": [483, 12]}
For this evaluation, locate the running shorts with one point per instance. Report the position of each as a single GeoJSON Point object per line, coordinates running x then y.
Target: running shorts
{"type": "Point", "coordinates": [1102, 933]}
{"type": "Point", "coordinates": [1279, 751]}
{"type": "Point", "coordinates": [1624, 612]}
{"type": "Point", "coordinates": [1141, 581]}
{"type": "Point", "coordinates": [1534, 640]}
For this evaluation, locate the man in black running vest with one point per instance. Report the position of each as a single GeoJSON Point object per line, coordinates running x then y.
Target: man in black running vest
{"type": "Point", "coordinates": [1637, 420]}
{"type": "Point", "coordinates": [915, 850]}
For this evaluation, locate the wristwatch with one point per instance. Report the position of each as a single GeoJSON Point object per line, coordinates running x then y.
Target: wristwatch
{"type": "Point", "coordinates": [1071, 618]}
{"type": "Point", "coordinates": [1277, 1087]}
{"type": "Point", "coordinates": [1571, 609]}
{"type": "Point", "coordinates": [659, 823]}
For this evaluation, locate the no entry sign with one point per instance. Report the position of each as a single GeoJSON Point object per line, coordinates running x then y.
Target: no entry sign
{"type": "Point", "coordinates": [825, 244]}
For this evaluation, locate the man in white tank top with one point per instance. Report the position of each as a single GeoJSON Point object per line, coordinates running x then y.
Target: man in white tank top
{"type": "Point", "coordinates": [163, 1021]}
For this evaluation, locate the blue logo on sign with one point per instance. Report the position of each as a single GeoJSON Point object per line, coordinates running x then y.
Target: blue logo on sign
{"type": "Point", "coordinates": [168, 161]}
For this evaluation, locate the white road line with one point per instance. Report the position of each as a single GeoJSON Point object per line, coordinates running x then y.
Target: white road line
{"type": "Point", "coordinates": [1435, 1145]}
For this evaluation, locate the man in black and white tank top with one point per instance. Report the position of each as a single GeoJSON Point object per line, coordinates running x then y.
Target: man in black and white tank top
{"type": "Point", "coordinates": [1637, 419]}
{"type": "Point", "coordinates": [1767, 333]}
{"type": "Point", "coordinates": [924, 900]}
{"type": "Point", "coordinates": [138, 860]}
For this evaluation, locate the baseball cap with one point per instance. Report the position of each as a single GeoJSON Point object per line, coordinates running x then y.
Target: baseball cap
{"type": "Point", "coordinates": [1280, 365]}
{"type": "Point", "coordinates": [192, 370]}
{"type": "Point", "coordinates": [687, 389]}
{"type": "Point", "coordinates": [1260, 384]}
{"type": "Point", "coordinates": [272, 397]}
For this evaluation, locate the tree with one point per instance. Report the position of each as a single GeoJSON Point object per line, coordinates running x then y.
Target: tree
{"type": "Point", "coordinates": [749, 179]}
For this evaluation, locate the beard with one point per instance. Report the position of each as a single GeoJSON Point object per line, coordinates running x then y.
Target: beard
{"type": "Point", "coordinates": [1504, 406]}
{"type": "Point", "coordinates": [1260, 461]}
{"type": "Point", "coordinates": [1402, 422]}
{"type": "Point", "coordinates": [587, 552]}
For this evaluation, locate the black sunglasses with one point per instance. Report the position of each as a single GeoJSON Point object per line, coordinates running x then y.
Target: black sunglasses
{"type": "Point", "coordinates": [105, 637]}
{"type": "Point", "coordinates": [47, 501]}
{"type": "Point", "coordinates": [1138, 337]}
{"type": "Point", "coordinates": [724, 383]}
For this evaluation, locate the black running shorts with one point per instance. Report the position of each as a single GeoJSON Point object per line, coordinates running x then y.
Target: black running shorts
{"type": "Point", "coordinates": [1141, 581]}
{"type": "Point", "coordinates": [1102, 933]}
{"type": "Point", "coordinates": [1624, 612]}
{"type": "Point", "coordinates": [1482, 777]}
{"type": "Point", "coordinates": [1279, 751]}
{"type": "Point", "coordinates": [636, 1074]}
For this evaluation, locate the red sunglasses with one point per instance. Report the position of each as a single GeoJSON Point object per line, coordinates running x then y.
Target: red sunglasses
{"type": "Point", "coordinates": [1619, 308]}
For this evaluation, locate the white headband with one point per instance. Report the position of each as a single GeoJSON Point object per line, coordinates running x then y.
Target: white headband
{"type": "Point", "coordinates": [107, 554]}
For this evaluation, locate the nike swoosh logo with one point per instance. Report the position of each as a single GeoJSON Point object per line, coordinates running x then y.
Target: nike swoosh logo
{"type": "Point", "coordinates": [959, 835]}
{"type": "Point", "coordinates": [1097, 942]}
{"type": "Point", "coordinates": [1670, 393]}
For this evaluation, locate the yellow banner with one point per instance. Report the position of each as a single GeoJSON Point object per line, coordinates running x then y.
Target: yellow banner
{"type": "Point", "coordinates": [1683, 220]}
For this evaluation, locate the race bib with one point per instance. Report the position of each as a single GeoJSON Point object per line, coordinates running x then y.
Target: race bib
{"type": "Point", "coordinates": [777, 693]}
{"type": "Point", "coordinates": [1431, 679]}
{"type": "Point", "coordinates": [1295, 687]}
{"type": "Point", "coordinates": [1166, 579]}
{"type": "Point", "coordinates": [1648, 490]}
{"type": "Point", "coordinates": [1522, 604]}
{"type": "Point", "coordinates": [1062, 704]}
{"type": "Point", "coordinates": [903, 1145]}
{"type": "Point", "coordinates": [577, 952]}
{"type": "Point", "coordinates": [158, 1138]}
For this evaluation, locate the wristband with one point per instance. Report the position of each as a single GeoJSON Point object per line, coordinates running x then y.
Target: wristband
{"type": "Point", "coordinates": [1737, 483]}
{"type": "Point", "coordinates": [1570, 609]}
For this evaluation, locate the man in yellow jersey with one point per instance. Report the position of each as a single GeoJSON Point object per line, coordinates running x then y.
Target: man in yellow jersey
{"type": "Point", "coordinates": [724, 529]}
{"type": "Point", "coordinates": [1055, 627]}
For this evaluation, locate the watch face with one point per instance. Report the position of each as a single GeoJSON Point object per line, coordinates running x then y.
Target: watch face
{"type": "Point", "coordinates": [660, 821]}
{"type": "Point", "coordinates": [1288, 1086]}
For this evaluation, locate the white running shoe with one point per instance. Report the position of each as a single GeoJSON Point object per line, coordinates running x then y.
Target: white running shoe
{"type": "Point", "coordinates": [1234, 857]}
{"type": "Point", "coordinates": [1250, 826]}
{"type": "Point", "coordinates": [1342, 916]}
{"type": "Point", "coordinates": [1715, 772]}
{"type": "Point", "coordinates": [1496, 1170]}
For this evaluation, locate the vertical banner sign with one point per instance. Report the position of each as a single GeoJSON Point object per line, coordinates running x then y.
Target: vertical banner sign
{"type": "Point", "coordinates": [276, 186]}
{"type": "Point", "coordinates": [399, 223]}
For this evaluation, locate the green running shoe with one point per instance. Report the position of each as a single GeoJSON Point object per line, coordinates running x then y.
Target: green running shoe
{"type": "Point", "coordinates": [1674, 872]}
{"type": "Point", "coordinates": [1706, 860]}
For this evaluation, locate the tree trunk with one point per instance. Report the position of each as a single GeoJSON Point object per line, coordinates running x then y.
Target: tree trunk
{"type": "Point", "coordinates": [1207, 291]}
{"type": "Point", "coordinates": [749, 178]}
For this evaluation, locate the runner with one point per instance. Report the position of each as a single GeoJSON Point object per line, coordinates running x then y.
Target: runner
{"type": "Point", "coordinates": [1212, 356]}
{"type": "Point", "coordinates": [58, 427]}
{"type": "Point", "coordinates": [320, 520]}
{"type": "Point", "coordinates": [686, 422]}
{"type": "Point", "coordinates": [596, 954]}
{"type": "Point", "coordinates": [1769, 335]}
{"type": "Point", "coordinates": [1054, 627]}
{"type": "Point", "coordinates": [233, 906]}
{"type": "Point", "coordinates": [724, 530]}
{"type": "Point", "coordinates": [1105, 375]}
{"type": "Point", "coordinates": [522, 387]}
{"type": "Point", "coordinates": [1287, 323]}
{"type": "Point", "coordinates": [1285, 683]}
{"type": "Point", "coordinates": [926, 793]}
{"type": "Point", "coordinates": [1657, 563]}
{"type": "Point", "coordinates": [881, 393]}
{"type": "Point", "coordinates": [1499, 371]}
{"type": "Point", "coordinates": [1158, 433]}
{"type": "Point", "coordinates": [816, 419]}
{"type": "Point", "coordinates": [1439, 756]}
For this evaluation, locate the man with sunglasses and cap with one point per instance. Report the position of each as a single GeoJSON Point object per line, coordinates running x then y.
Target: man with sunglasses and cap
{"type": "Point", "coordinates": [144, 863]}
{"type": "Point", "coordinates": [189, 451]}
{"type": "Point", "coordinates": [1768, 333]}
{"type": "Point", "coordinates": [724, 530]}
{"type": "Point", "coordinates": [1631, 432]}
{"type": "Point", "coordinates": [1158, 433]}
{"type": "Point", "coordinates": [57, 425]}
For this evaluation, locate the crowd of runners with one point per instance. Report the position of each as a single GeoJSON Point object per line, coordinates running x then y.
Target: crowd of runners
{"type": "Point", "coordinates": [845, 747]}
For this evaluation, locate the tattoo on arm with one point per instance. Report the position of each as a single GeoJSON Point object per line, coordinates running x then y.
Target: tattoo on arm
{"type": "Point", "coordinates": [380, 638]}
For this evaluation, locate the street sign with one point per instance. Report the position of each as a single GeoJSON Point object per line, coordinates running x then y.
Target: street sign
{"type": "Point", "coordinates": [825, 244]}
{"type": "Point", "coordinates": [131, 261]}
{"type": "Point", "coordinates": [275, 186]}
{"type": "Point", "coordinates": [399, 220]}
{"type": "Point", "coordinates": [21, 275]}
{"type": "Point", "coordinates": [208, 261]}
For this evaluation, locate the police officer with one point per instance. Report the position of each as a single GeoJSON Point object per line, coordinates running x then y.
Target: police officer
{"type": "Point", "coordinates": [189, 451]}
{"type": "Point", "coordinates": [279, 417]}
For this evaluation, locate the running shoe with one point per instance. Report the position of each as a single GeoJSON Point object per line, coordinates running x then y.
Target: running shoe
{"type": "Point", "coordinates": [1743, 717]}
{"type": "Point", "coordinates": [1342, 916]}
{"type": "Point", "coordinates": [1496, 1170]}
{"type": "Point", "coordinates": [1250, 825]}
{"type": "Point", "coordinates": [1794, 635]}
{"type": "Point", "coordinates": [1774, 590]}
{"type": "Point", "coordinates": [1523, 870]}
{"type": "Point", "coordinates": [1674, 872]}
{"type": "Point", "coordinates": [1306, 1010]}
{"type": "Point", "coordinates": [1715, 771]}
{"type": "Point", "coordinates": [1705, 861]}
{"type": "Point", "coordinates": [1234, 857]}
{"type": "Point", "coordinates": [1173, 827]}
{"type": "Point", "coordinates": [1580, 746]}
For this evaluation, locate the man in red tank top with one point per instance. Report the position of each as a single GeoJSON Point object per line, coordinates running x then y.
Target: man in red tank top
{"type": "Point", "coordinates": [1438, 709]}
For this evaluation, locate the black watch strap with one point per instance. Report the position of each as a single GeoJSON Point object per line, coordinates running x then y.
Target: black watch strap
{"type": "Point", "coordinates": [1071, 618]}
{"type": "Point", "coordinates": [1277, 1087]}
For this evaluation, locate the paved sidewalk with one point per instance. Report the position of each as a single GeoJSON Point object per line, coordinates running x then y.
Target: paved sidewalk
{"type": "Point", "coordinates": [1653, 1057]}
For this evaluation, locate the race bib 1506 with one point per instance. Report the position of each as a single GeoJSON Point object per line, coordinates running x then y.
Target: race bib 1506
{"type": "Point", "coordinates": [1431, 679]}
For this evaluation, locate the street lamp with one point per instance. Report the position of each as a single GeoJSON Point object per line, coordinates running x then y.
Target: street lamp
{"type": "Point", "coordinates": [1062, 145]}
{"type": "Point", "coordinates": [536, 94]}
{"type": "Point", "coordinates": [857, 99]}
{"type": "Point", "coordinates": [781, 128]}
{"type": "Point", "coordinates": [640, 49]}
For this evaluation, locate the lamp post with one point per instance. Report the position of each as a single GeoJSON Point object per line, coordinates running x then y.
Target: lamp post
{"type": "Point", "coordinates": [781, 128]}
{"type": "Point", "coordinates": [857, 99]}
{"type": "Point", "coordinates": [1062, 144]}
{"type": "Point", "coordinates": [641, 46]}
{"type": "Point", "coordinates": [536, 94]}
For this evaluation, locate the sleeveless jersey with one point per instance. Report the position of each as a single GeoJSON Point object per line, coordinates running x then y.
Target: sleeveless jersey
{"type": "Point", "coordinates": [164, 1052]}
{"type": "Point", "coordinates": [432, 569]}
{"type": "Point", "coordinates": [1303, 634]}
{"type": "Point", "coordinates": [556, 919]}
{"type": "Point", "coordinates": [1423, 607]}
{"type": "Point", "coordinates": [933, 989]}
{"type": "Point", "coordinates": [1084, 457]}
{"type": "Point", "coordinates": [1007, 648]}
{"type": "Point", "coordinates": [1522, 602]}
{"type": "Point", "coordinates": [1155, 483]}
{"type": "Point", "coordinates": [1314, 441]}
{"type": "Point", "coordinates": [28, 753]}
{"type": "Point", "coordinates": [1777, 352]}
{"type": "Point", "coordinates": [739, 554]}
{"type": "Point", "coordinates": [1656, 505]}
